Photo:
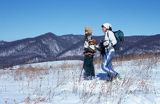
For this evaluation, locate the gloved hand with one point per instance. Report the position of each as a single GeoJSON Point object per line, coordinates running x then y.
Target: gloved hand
{"type": "Point", "coordinates": [106, 43]}
{"type": "Point", "coordinates": [97, 46]}
{"type": "Point", "coordinates": [92, 47]}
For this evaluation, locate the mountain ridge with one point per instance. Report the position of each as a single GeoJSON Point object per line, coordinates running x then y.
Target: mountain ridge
{"type": "Point", "coordinates": [50, 47]}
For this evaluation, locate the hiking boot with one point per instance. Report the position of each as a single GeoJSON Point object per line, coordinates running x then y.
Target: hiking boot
{"type": "Point", "coordinates": [118, 76]}
{"type": "Point", "coordinates": [109, 79]}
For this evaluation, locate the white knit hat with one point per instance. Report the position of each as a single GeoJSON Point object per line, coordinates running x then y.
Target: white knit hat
{"type": "Point", "coordinates": [107, 25]}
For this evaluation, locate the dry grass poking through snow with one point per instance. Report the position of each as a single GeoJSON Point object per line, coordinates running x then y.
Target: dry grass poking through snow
{"type": "Point", "coordinates": [59, 83]}
{"type": "Point", "coordinates": [137, 80]}
{"type": "Point", "coordinates": [29, 72]}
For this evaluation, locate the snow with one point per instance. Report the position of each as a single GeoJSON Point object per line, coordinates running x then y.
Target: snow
{"type": "Point", "coordinates": [58, 83]}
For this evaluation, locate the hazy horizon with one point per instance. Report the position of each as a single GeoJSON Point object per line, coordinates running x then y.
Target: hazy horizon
{"type": "Point", "coordinates": [34, 36]}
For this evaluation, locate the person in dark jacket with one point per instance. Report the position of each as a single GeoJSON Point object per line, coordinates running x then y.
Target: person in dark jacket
{"type": "Point", "coordinates": [89, 50]}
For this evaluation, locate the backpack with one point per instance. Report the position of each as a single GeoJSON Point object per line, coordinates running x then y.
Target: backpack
{"type": "Point", "coordinates": [119, 35]}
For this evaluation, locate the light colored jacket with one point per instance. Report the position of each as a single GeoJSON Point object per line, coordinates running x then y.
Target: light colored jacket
{"type": "Point", "coordinates": [109, 39]}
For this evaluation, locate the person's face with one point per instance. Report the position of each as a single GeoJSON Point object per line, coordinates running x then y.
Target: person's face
{"type": "Point", "coordinates": [104, 29]}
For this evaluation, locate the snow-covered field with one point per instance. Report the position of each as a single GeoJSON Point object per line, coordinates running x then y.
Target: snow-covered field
{"type": "Point", "coordinates": [58, 83]}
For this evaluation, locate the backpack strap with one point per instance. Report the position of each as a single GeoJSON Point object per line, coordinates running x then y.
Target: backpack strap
{"type": "Point", "coordinates": [110, 42]}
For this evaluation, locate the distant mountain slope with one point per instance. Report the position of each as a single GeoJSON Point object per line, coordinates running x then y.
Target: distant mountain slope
{"type": "Point", "coordinates": [47, 47]}
{"type": "Point", "coordinates": [141, 44]}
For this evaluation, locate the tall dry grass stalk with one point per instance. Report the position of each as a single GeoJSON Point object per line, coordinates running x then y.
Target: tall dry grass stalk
{"type": "Point", "coordinates": [136, 78]}
{"type": "Point", "coordinates": [66, 66]}
{"type": "Point", "coordinates": [29, 72]}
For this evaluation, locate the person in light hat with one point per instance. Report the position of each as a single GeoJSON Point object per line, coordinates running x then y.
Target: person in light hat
{"type": "Point", "coordinates": [108, 42]}
{"type": "Point", "coordinates": [89, 50]}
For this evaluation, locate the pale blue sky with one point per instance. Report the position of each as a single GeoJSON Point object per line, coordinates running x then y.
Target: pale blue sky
{"type": "Point", "coordinates": [29, 18]}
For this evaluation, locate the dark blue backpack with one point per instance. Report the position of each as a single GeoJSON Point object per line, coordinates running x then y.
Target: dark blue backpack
{"type": "Point", "coordinates": [119, 35]}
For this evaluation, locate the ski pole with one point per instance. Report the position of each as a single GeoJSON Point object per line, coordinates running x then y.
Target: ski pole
{"type": "Point", "coordinates": [81, 73]}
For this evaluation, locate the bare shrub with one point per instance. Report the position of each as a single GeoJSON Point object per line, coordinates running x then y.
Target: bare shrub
{"type": "Point", "coordinates": [39, 100]}
{"type": "Point", "coordinates": [29, 72]}
{"type": "Point", "coordinates": [27, 100]}
{"type": "Point", "coordinates": [66, 66]}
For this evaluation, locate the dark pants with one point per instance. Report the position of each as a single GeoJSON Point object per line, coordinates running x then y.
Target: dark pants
{"type": "Point", "coordinates": [88, 66]}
